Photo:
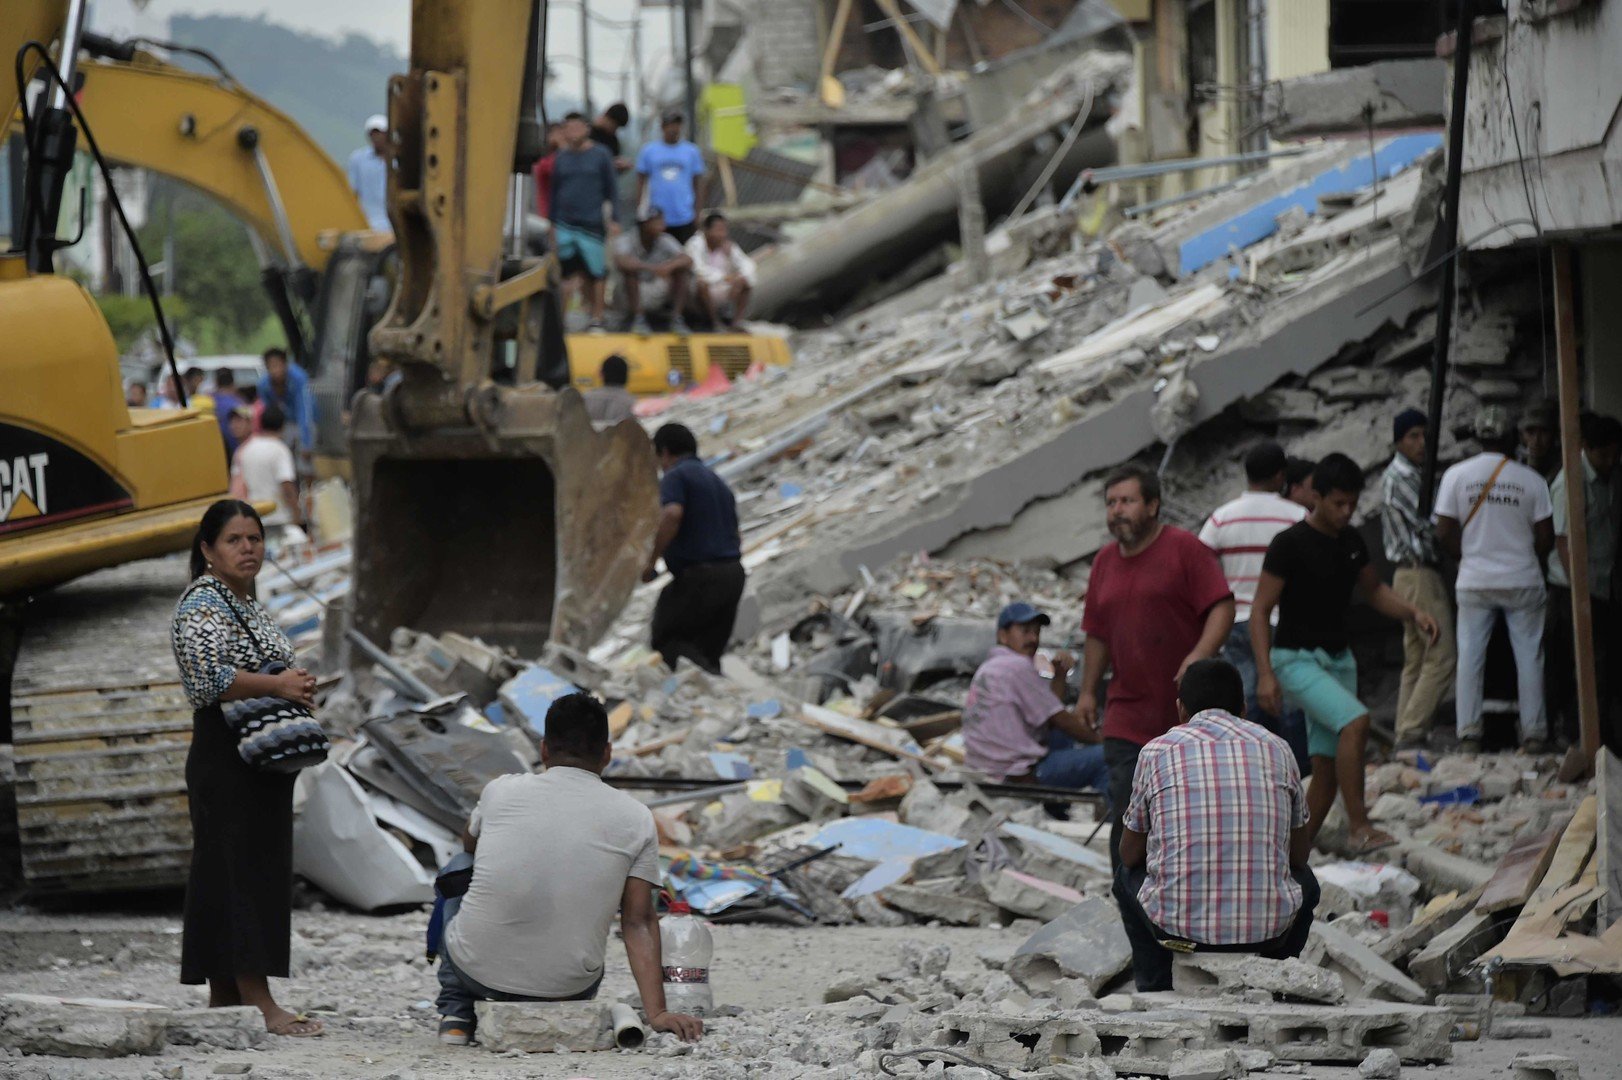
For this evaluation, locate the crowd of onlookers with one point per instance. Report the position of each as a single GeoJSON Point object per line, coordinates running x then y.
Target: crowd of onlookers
{"type": "Point", "coordinates": [267, 428]}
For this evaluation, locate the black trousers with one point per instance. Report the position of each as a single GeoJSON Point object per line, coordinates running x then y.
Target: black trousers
{"type": "Point", "coordinates": [695, 613]}
{"type": "Point", "coordinates": [1121, 756]}
{"type": "Point", "coordinates": [1151, 961]}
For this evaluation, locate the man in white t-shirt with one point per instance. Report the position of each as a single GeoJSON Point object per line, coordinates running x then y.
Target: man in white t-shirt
{"type": "Point", "coordinates": [725, 274]}
{"type": "Point", "coordinates": [263, 470]}
{"type": "Point", "coordinates": [1239, 532]}
{"type": "Point", "coordinates": [1496, 516]}
{"type": "Point", "coordinates": [555, 855]}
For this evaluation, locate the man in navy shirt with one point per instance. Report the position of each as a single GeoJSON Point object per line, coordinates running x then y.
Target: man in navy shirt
{"type": "Point", "coordinates": [698, 539]}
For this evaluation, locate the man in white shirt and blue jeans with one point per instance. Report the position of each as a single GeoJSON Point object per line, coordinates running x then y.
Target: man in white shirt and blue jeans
{"type": "Point", "coordinates": [1495, 514]}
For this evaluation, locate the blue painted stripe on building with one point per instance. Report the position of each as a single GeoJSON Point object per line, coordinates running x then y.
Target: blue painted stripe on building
{"type": "Point", "coordinates": [1258, 222]}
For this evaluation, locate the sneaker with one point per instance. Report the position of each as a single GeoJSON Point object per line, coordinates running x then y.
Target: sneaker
{"type": "Point", "coordinates": [1535, 747]}
{"type": "Point", "coordinates": [1469, 746]}
{"type": "Point", "coordinates": [639, 325]}
{"type": "Point", "coordinates": [454, 1032]}
{"type": "Point", "coordinates": [678, 325]}
{"type": "Point", "coordinates": [597, 327]}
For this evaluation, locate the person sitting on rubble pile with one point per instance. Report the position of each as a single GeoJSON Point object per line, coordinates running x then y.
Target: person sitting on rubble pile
{"type": "Point", "coordinates": [655, 274]}
{"type": "Point", "coordinates": [1016, 729]}
{"type": "Point", "coordinates": [533, 924]}
{"type": "Point", "coordinates": [1215, 840]}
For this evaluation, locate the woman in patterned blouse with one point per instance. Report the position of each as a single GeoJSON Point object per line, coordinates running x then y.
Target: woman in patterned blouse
{"type": "Point", "coordinates": [239, 895]}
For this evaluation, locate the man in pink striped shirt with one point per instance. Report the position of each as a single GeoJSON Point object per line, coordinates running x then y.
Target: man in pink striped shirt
{"type": "Point", "coordinates": [1239, 532]}
{"type": "Point", "coordinates": [1215, 841]}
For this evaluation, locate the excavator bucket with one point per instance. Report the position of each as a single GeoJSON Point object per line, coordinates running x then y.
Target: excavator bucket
{"type": "Point", "coordinates": [529, 529]}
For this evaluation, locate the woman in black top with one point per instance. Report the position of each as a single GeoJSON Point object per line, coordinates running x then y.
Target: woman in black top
{"type": "Point", "coordinates": [239, 894]}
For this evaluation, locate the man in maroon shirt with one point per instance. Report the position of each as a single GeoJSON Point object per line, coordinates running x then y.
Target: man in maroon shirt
{"type": "Point", "coordinates": [1157, 601]}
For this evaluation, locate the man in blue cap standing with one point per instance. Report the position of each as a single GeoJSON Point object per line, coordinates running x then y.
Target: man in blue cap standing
{"type": "Point", "coordinates": [1016, 729]}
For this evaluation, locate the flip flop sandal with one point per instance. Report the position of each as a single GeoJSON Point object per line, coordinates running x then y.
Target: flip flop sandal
{"type": "Point", "coordinates": [286, 1027]}
{"type": "Point", "coordinates": [1368, 845]}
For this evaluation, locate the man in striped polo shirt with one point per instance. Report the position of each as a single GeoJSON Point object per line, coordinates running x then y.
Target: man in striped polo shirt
{"type": "Point", "coordinates": [1410, 544]}
{"type": "Point", "coordinates": [1239, 532]}
{"type": "Point", "coordinates": [1215, 845]}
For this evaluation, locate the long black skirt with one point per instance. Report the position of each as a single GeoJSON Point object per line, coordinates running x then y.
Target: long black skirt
{"type": "Point", "coordinates": [239, 896]}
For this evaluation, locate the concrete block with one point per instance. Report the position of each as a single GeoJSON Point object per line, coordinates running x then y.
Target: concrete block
{"type": "Point", "coordinates": [1449, 952]}
{"type": "Point", "coordinates": [1087, 942]}
{"type": "Point", "coordinates": [936, 900]}
{"type": "Point", "coordinates": [239, 1028]}
{"type": "Point", "coordinates": [1317, 1033]}
{"type": "Point", "coordinates": [1131, 1039]}
{"type": "Point", "coordinates": [541, 1027]}
{"type": "Point", "coordinates": [1030, 1041]}
{"type": "Point", "coordinates": [80, 1027]}
{"type": "Point", "coordinates": [1024, 894]}
{"type": "Point", "coordinates": [1207, 1065]}
{"type": "Point", "coordinates": [1544, 1067]}
{"type": "Point", "coordinates": [1362, 971]}
{"type": "Point", "coordinates": [1085, 1069]}
{"type": "Point", "coordinates": [1381, 1064]}
{"type": "Point", "coordinates": [1441, 871]}
{"type": "Point", "coordinates": [1206, 973]}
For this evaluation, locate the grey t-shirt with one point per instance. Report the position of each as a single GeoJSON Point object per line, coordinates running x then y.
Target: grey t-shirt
{"type": "Point", "coordinates": [555, 850]}
{"type": "Point", "coordinates": [662, 250]}
{"type": "Point", "coordinates": [609, 404]}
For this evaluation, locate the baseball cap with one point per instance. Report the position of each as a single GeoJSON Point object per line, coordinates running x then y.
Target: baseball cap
{"type": "Point", "coordinates": [672, 116]}
{"type": "Point", "coordinates": [1020, 613]}
{"type": "Point", "coordinates": [377, 122]}
{"type": "Point", "coordinates": [1493, 422]}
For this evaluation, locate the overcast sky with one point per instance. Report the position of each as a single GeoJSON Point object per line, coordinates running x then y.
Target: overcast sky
{"type": "Point", "coordinates": [389, 21]}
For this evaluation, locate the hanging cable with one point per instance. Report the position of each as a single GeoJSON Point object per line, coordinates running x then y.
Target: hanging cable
{"type": "Point", "coordinates": [1083, 113]}
{"type": "Point", "coordinates": [112, 193]}
{"type": "Point", "coordinates": [1032, 20]}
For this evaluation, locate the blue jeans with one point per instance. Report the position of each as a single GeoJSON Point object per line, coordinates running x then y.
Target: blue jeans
{"type": "Point", "coordinates": [458, 990]}
{"type": "Point", "coordinates": [1069, 764]}
{"type": "Point", "coordinates": [1292, 726]}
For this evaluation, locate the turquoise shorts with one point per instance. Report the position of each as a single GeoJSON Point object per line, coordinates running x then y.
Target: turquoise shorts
{"type": "Point", "coordinates": [579, 250]}
{"type": "Point", "coordinates": [1324, 686]}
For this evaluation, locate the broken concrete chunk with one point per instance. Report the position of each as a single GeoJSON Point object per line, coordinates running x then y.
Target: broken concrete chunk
{"type": "Point", "coordinates": [81, 1027]}
{"type": "Point", "coordinates": [1381, 1064]}
{"type": "Point", "coordinates": [238, 1028]}
{"type": "Point", "coordinates": [1544, 1067]}
{"type": "Point", "coordinates": [810, 793]}
{"type": "Point", "coordinates": [1087, 942]}
{"type": "Point", "coordinates": [1449, 952]}
{"type": "Point", "coordinates": [1021, 1042]}
{"type": "Point", "coordinates": [1207, 973]}
{"type": "Point", "coordinates": [846, 987]}
{"type": "Point", "coordinates": [1440, 871]}
{"type": "Point", "coordinates": [925, 961]}
{"type": "Point", "coordinates": [1501, 1028]}
{"type": "Point", "coordinates": [1361, 969]}
{"type": "Point", "coordinates": [1025, 894]}
{"type": "Point", "coordinates": [543, 1027]}
{"type": "Point", "coordinates": [1206, 1065]}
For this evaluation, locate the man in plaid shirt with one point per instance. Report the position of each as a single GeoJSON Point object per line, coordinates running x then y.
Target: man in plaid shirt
{"type": "Point", "coordinates": [1215, 841]}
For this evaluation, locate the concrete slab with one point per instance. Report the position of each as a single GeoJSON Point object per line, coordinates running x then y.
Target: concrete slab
{"type": "Point", "coordinates": [1544, 1067]}
{"type": "Point", "coordinates": [1447, 954]}
{"type": "Point", "coordinates": [1029, 1041]}
{"type": "Point", "coordinates": [1363, 972]}
{"type": "Point", "coordinates": [1087, 942]}
{"type": "Point", "coordinates": [1233, 973]}
{"type": "Point", "coordinates": [81, 1027]}
{"type": "Point", "coordinates": [1388, 94]}
{"type": "Point", "coordinates": [1316, 1033]}
{"type": "Point", "coordinates": [238, 1028]}
{"type": "Point", "coordinates": [544, 1027]}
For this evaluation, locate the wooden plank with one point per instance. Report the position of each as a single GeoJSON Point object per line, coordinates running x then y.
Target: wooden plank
{"type": "Point", "coordinates": [620, 719]}
{"type": "Point", "coordinates": [862, 732]}
{"type": "Point", "coordinates": [1582, 609]}
{"type": "Point", "coordinates": [1608, 838]}
{"type": "Point", "coordinates": [1520, 871]}
{"type": "Point", "coordinates": [1571, 856]}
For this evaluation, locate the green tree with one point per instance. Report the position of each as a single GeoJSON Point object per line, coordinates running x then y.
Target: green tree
{"type": "Point", "coordinates": [216, 274]}
{"type": "Point", "coordinates": [130, 317]}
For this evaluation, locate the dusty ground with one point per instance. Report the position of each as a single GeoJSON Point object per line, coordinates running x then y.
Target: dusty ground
{"type": "Point", "coordinates": [367, 977]}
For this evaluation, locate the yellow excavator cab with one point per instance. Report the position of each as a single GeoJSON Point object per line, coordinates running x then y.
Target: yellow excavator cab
{"type": "Point", "coordinates": [83, 483]}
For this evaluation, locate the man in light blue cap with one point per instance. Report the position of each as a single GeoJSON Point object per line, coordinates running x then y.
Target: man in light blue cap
{"type": "Point", "coordinates": [1016, 729]}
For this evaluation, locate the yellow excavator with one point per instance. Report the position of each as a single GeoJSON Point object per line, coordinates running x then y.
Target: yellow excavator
{"type": "Point", "coordinates": [327, 277]}
{"type": "Point", "coordinates": [485, 501]}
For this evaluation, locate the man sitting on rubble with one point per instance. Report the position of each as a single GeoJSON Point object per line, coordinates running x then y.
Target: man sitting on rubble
{"type": "Point", "coordinates": [1215, 841]}
{"type": "Point", "coordinates": [655, 273]}
{"type": "Point", "coordinates": [533, 924]}
{"type": "Point", "coordinates": [1016, 729]}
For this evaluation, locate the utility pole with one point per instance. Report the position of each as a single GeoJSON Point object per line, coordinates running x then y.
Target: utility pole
{"type": "Point", "coordinates": [585, 61]}
{"type": "Point", "coordinates": [687, 68]}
